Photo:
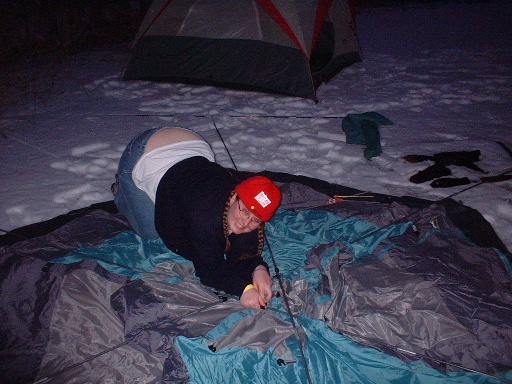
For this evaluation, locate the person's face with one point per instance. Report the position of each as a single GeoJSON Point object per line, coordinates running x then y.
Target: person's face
{"type": "Point", "coordinates": [239, 219]}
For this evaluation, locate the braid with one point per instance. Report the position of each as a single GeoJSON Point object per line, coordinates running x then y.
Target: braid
{"type": "Point", "coordinates": [261, 239]}
{"type": "Point", "coordinates": [225, 222]}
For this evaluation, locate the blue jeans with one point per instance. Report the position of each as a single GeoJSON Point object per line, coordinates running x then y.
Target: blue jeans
{"type": "Point", "coordinates": [131, 201]}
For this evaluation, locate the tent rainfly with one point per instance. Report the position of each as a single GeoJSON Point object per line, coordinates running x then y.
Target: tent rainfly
{"type": "Point", "coordinates": [277, 46]}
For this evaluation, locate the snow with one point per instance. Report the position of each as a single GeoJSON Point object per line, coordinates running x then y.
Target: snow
{"type": "Point", "coordinates": [442, 74]}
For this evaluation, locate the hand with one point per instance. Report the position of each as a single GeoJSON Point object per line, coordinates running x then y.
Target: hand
{"type": "Point", "coordinates": [262, 283]}
{"type": "Point", "coordinates": [251, 299]}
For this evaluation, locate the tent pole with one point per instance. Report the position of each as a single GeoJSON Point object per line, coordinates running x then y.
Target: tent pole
{"type": "Point", "coordinates": [278, 277]}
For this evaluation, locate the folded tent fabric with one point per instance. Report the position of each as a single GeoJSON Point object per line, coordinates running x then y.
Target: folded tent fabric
{"type": "Point", "coordinates": [294, 235]}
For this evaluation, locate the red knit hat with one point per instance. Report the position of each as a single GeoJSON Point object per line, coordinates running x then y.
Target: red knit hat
{"type": "Point", "coordinates": [260, 195]}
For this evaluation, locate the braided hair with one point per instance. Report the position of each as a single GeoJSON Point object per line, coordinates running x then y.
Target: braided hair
{"type": "Point", "coordinates": [261, 229]}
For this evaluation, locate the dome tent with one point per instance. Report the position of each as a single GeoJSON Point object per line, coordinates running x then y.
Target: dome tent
{"type": "Point", "coordinates": [276, 46]}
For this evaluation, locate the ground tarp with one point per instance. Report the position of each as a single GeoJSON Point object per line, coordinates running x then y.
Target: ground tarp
{"type": "Point", "coordinates": [382, 290]}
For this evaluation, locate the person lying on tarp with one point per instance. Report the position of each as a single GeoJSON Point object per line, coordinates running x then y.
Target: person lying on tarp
{"type": "Point", "coordinates": [169, 186]}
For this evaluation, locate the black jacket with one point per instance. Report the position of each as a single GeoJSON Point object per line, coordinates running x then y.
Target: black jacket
{"type": "Point", "coordinates": [190, 201]}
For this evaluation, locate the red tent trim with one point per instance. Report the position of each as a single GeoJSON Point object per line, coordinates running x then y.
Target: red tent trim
{"type": "Point", "coordinates": [276, 15]}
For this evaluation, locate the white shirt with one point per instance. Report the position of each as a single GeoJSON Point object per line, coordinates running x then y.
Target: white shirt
{"type": "Point", "coordinates": [150, 168]}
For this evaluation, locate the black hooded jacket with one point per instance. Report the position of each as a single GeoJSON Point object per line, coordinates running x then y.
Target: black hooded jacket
{"type": "Point", "coordinates": [189, 206]}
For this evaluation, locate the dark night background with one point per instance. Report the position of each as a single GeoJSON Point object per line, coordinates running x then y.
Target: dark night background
{"type": "Point", "coordinates": [34, 30]}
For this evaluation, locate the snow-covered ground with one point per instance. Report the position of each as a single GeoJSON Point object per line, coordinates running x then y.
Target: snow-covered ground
{"type": "Point", "coordinates": [441, 73]}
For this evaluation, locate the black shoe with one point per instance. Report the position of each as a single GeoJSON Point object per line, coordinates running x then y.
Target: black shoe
{"type": "Point", "coordinates": [430, 173]}
{"type": "Point", "coordinates": [460, 158]}
{"type": "Point", "coordinates": [495, 179]}
{"type": "Point", "coordinates": [447, 182]}
{"type": "Point", "coordinates": [457, 157]}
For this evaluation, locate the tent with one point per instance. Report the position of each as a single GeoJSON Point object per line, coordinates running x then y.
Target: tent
{"type": "Point", "coordinates": [374, 289]}
{"type": "Point", "coordinates": [278, 46]}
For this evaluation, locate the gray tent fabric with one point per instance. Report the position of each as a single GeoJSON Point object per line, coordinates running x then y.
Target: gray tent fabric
{"type": "Point", "coordinates": [373, 299]}
{"type": "Point", "coordinates": [417, 297]}
{"type": "Point", "coordinates": [84, 325]}
{"type": "Point", "coordinates": [29, 286]}
{"type": "Point", "coordinates": [287, 47]}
